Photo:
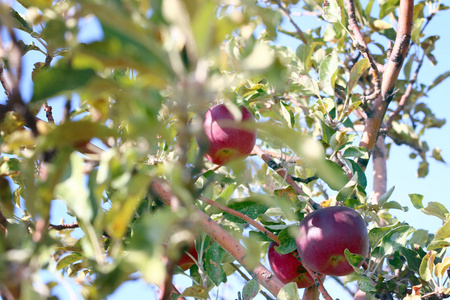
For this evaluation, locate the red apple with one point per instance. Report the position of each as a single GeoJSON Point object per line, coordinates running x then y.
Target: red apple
{"type": "Point", "coordinates": [288, 268]}
{"type": "Point", "coordinates": [325, 234]}
{"type": "Point", "coordinates": [185, 262]}
{"type": "Point", "coordinates": [227, 139]}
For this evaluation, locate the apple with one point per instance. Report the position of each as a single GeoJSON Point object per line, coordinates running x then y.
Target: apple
{"type": "Point", "coordinates": [288, 268]}
{"type": "Point", "coordinates": [185, 262]}
{"type": "Point", "coordinates": [227, 139]}
{"type": "Point", "coordinates": [325, 234]}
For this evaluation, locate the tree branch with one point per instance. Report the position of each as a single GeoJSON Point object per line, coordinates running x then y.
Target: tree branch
{"type": "Point", "coordinates": [64, 226]}
{"type": "Point", "coordinates": [221, 236]}
{"type": "Point", "coordinates": [241, 216]}
{"type": "Point", "coordinates": [361, 45]}
{"type": "Point", "coordinates": [390, 76]}
{"type": "Point", "coordinates": [271, 163]}
{"type": "Point", "coordinates": [288, 15]}
{"type": "Point", "coordinates": [405, 96]}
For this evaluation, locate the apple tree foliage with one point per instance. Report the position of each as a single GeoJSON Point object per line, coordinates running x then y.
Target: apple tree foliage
{"type": "Point", "coordinates": [131, 103]}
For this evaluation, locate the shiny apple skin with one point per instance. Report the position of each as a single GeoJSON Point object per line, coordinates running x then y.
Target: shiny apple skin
{"type": "Point", "coordinates": [227, 140]}
{"type": "Point", "coordinates": [288, 268]}
{"type": "Point", "coordinates": [325, 234]}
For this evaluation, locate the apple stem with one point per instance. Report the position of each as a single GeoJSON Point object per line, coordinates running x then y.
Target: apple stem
{"type": "Point", "coordinates": [241, 216]}
{"type": "Point", "coordinates": [317, 280]}
{"type": "Point", "coordinates": [271, 163]}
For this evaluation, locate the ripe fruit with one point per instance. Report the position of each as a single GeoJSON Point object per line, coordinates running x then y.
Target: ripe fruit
{"type": "Point", "coordinates": [288, 268]}
{"type": "Point", "coordinates": [185, 262]}
{"type": "Point", "coordinates": [227, 139]}
{"type": "Point", "coordinates": [325, 234]}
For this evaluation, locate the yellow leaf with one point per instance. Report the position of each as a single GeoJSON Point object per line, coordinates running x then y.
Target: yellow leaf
{"type": "Point", "coordinates": [442, 267]}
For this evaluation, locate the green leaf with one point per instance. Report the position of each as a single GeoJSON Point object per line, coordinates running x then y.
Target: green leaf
{"type": "Point", "coordinates": [331, 11]}
{"type": "Point", "coordinates": [287, 114]}
{"type": "Point", "coordinates": [366, 285]}
{"type": "Point", "coordinates": [289, 292]}
{"type": "Point", "coordinates": [20, 22]}
{"type": "Point", "coordinates": [68, 260]}
{"type": "Point", "coordinates": [332, 174]}
{"type": "Point", "coordinates": [307, 85]}
{"type": "Point", "coordinates": [356, 73]}
{"type": "Point", "coordinates": [287, 241]}
{"type": "Point", "coordinates": [327, 131]}
{"type": "Point", "coordinates": [250, 290]}
{"type": "Point", "coordinates": [248, 206]}
{"type": "Point", "coordinates": [213, 264]}
{"type": "Point", "coordinates": [413, 259]}
{"type": "Point", "coordinates": [60, 79]}
{"type": "Point", "coordinates": [423, 169]}
{"type": "Point", "coordinates": [439, 79]}
{"type": "Point", "coordinates": [356, 151]}
{"type": "Point", "coordinates": [436, 209]}
{"type": "Point", "coordinates": [395, 239]}
{"type": "Point", "coordinates": [427, 266]}
{"type": "Point", "coordinates": [416, 200]}
{"type": "Point", "coordinates": [420, 237]}
{"type": "Point", "coordinates": [348, 189]}
{"type": "Point", "coordinates": [377, 233]}
{"type": "Point", "coordinates": [196, 291]}
{"type": "Point", "coordinates": [353, 259]}
{"type": "Point", "coordinates": [437, 155]}
{"type": "Point", "coordinates": [6, 199]}
{"type": "Point", "coordinates": [384, 198]}
{"type": "Point", "coordinates": [327, 73]}
{"type": "Point", "coordinates": [394, 205]}
{"type": "Point", "coordinates": [73, 190]}
{"type": "Point", "coordinates": [356, 169]}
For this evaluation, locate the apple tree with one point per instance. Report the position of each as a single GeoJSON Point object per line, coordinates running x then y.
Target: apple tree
{"type": "Point", "coordinates": [184, 139]}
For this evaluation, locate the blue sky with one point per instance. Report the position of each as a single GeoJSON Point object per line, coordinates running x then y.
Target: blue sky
{"type": "Point", "coordinates": [401, 169]}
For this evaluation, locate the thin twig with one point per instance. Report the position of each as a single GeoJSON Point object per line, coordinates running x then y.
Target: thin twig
{"type": "Point", "coordinates": [405, 96]}
{"type": "Point", "coordinates": [361, 45]}
{"type": "Point", "coordinates": [241, 216]}
{"type": "Point", "coordinates": [4, 82]}
{"type": "Point", "coordinates": [343, 286]}
{"type": "Point", "coordinates": [271, 163]}
{"type": "Point", "coordinates": [48, 112]}
{"type": "Point", "coordinates": [64, 226]}
{"type": "Point", "coordinates": [3, 220]}
{"type": "Point", "coordinates": [288, 15]}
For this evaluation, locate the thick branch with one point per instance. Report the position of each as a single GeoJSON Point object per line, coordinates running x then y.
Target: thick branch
{"type": "Point", "coordinates": [390, 76]}
{"type": "Point", "coordinates": [221, 236]}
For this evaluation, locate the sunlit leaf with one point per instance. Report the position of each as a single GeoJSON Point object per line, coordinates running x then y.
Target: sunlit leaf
{"type": "Point", "coordinates": [356, 73]}
{"type": "Point", "coordinates": [328, 72]}
{"type": "Point", "coordinates": [68, 260]}
{"type": "Point", "coordinates": [289, 292]}
{"type": "Point", "coordinates": [59, 79]}
{"type": "Point", "coordinates": [250, 207]}
{"type": "Point", "coordinates": [331, 11]}
{"type": "Point", "coordinates": [441, 268]}
{"type": "Point", "coordinates": [196, 291]}
{"type": "Point", "coordinates": [427, 266]}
